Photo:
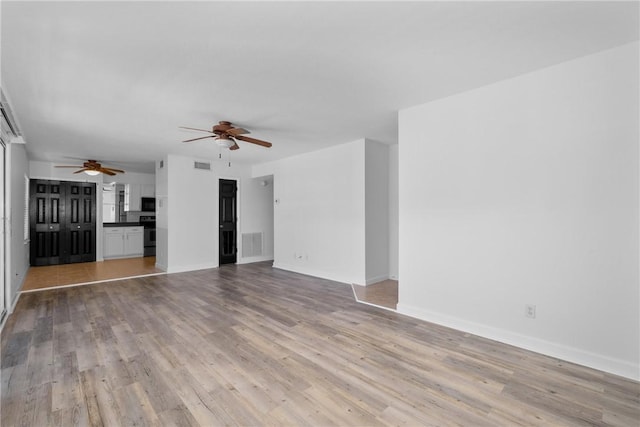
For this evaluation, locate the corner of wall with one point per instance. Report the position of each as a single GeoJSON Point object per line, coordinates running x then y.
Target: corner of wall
{"type": "Point", "coordinates": [376, 170]}
{"type": "Point", "coordinates": [17, 262]}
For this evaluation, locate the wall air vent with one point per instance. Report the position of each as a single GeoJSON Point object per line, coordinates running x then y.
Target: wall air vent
{"type": "Point", "coordinates": [251, 244]}
{"type": "Point", "coordinates": [202, 165]}
{"type": "Point", "coordinates": [161, 164]}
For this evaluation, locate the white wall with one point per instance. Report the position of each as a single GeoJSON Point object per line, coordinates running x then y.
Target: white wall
{"type": "Point", "coordinates": [131, 178]}
{"type": "Point", "coordinates": [526, 192]}
{"type": "Point", "coordinates": [319, 216]}
{"type": "Point", "coordinates": [17, 249]}
{"type": "Point", "coordinates": [376, 211]}
{"type": "Point", "coordinates": [192, 215]}
{"type": "Point", "coordinates": [162, 215]}
{"type": "Point", "coordinates": [257, 215]}
{"type": "Point", "coordinates": [393, 212]}
{"type": "Point", "coordinates": [187, 220]}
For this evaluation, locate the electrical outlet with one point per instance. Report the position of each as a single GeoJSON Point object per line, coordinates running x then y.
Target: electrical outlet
{"type": "Point", "coordinates": [530, 311]}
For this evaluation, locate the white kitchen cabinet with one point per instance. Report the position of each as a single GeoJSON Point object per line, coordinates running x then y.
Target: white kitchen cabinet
{"type": "Point", "coordinates": [113, 242]}
{"type": "Point", "coordinates": [132, 195]}
{"type": "Point", "coordinates": [134, 241]}
{"type": "Point", "coordinates": [134, 192]}
{"type": "Point", "coordinates": [123, 242]}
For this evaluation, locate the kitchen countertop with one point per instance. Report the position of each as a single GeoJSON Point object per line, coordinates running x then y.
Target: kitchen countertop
{"type": "Point", "coordinates": [121, 224]}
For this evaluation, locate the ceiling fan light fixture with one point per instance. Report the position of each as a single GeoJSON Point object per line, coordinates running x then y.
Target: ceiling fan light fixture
{"type": "Point", "coordinates": [92, 172]}
{"type": "Point", "coordinates": [224, 141]}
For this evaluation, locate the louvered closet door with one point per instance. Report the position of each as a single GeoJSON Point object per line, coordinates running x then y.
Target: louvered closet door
{"type": "Point", "coordinates": [46, 210]}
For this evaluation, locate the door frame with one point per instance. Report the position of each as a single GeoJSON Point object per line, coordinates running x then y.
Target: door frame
{"type": "Point", "coordinates": [4, 289]}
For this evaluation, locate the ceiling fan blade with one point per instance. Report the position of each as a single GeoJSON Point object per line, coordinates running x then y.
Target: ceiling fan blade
{"type": "Point", "coordinates": [237, 131]}
{"type": "Point", "coordinates": [235, 146]}
{"type": "Point", "coordinates": [69, 167]}
{"type": "Point", "coordinates": [202, 137]}
{"type": "Point", "coordinates": [254, 141]}
{"type": "Point", "coordinates": [201, 130]}
{"type": "Point", "coordinates": [112, 170]}
{"type": "Point", "coordinates": [107, 172]}
{"type": "Point", "coordinates": [82, 170]}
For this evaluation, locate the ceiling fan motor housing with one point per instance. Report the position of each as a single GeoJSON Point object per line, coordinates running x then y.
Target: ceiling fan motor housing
{"type": "Point", "coordinates": [225, 135]}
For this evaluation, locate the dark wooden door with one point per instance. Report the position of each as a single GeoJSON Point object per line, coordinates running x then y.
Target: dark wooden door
{"type": "Point", "coordinates": [46, 228]}
{"type": "Point", "coordinates": [80, 220]}
{"type": "Point", "coordinates": [228, 219]}
{"type": "Point", "coordinates": [62, 222]}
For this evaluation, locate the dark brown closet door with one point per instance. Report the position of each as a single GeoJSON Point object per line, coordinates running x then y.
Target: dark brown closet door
{"type": "Point", "coordinates": [46, 226]}
{"type": "Point", "coordinates": [62, 222]}
{"type": "Point", "coordinates": [80, 219]}
{"type": "Point", "coordinates": [228, 221]}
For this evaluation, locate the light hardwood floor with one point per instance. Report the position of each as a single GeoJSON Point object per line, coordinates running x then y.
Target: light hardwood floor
{"type": "Point", "coordinates": [382, 294]}
{"type": "Point", "coordinates": [52, 276]}
{"type": "Point", "coordinates": [252, 345]}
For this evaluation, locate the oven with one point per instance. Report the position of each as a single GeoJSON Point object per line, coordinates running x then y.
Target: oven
{"type": "Point", "coordinates": [149, 224]}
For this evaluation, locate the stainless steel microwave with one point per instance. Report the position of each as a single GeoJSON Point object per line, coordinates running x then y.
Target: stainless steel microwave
{"type": "Point", "coordinates": [148, 204]}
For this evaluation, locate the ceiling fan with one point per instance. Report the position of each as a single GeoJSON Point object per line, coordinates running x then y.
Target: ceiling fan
{"type": "Point", "coordinates": [92, 167]}
{"type": "Point", "coordinates": [225, 135]}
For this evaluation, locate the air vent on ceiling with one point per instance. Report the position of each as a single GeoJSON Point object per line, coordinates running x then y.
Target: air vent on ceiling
{"type": "Point", "coordinates": [202, 165]}
{"type": "Point", "coordinates": [251, 244]}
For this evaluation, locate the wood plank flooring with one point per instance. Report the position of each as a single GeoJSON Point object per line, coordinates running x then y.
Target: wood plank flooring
{"type": "Point", "coordinates": [382, 294]}
{"type": "Point", "coordinates": [252, 345]}
{"type": "Point", "coordinates": [52, 276]}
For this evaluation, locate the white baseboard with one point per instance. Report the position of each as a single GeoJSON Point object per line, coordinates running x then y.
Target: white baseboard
{"type": "Point", "coordinates": [193, 267]}
{"type": "Point", "coordinates": [9, 311]}
{"type": "Point", "coordinates": [548, 348]}
{"type": "Point", "coordinates": [315, 273]}
{"type": "Point", "coordinates": [376, 279]}
{"type": "Point", "coordinates": [250, 260]}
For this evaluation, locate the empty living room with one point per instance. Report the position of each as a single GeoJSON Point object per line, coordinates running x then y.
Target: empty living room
{"type": "Point", "coordinates": [322, 213]}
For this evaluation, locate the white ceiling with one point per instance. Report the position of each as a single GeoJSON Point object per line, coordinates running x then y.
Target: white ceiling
{"type": "Point", "coordinates": [114, 80]}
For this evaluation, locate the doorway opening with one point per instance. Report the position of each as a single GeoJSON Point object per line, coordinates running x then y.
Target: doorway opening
{"type": "Point", "coordinates": [228, 236]}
